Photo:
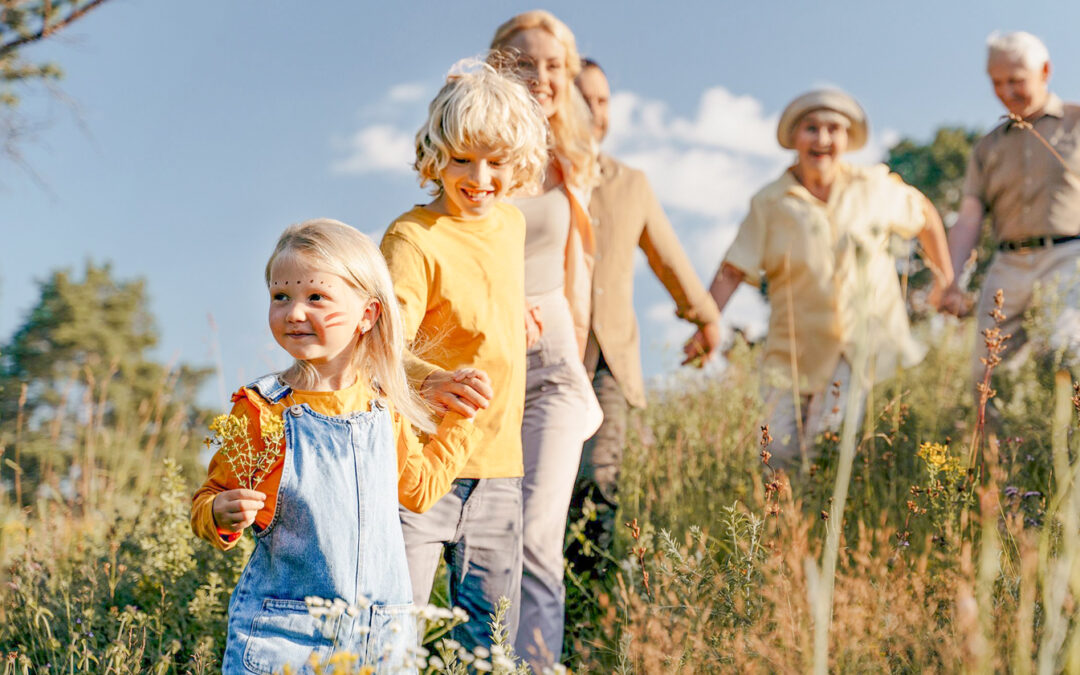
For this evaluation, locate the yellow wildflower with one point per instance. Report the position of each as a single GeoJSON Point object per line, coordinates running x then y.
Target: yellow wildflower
{"type": "Point", "coordinates": [247, 460]}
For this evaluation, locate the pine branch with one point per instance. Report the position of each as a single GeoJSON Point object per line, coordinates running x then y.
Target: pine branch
{"type": "Point", "coordinates": [48, 29]}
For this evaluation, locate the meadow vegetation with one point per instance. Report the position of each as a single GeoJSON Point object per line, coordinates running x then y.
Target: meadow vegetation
{"type": "Point", "coordinates": [956, 550]}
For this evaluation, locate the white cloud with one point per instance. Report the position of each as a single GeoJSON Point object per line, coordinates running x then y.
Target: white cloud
{"type": "Point", "coordinates": [407, 92]}
{"type": "Point", "coordinates": [704, 167]}
{"type": "Point", "coordinates": [671, 331]}
{"type": "Point", "coordinates": [379, 147]}
{"type": "Point", "coordinates": [712, 163]}
{"type": "Point", "coordinates": [736, 123]}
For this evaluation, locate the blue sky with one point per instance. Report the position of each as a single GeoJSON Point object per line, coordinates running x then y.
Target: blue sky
{"type": "Point", "coordinates": [185, 136]}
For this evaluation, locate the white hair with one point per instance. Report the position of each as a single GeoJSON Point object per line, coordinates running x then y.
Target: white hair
{"type": "Point", "coordinates": [1020, 45]}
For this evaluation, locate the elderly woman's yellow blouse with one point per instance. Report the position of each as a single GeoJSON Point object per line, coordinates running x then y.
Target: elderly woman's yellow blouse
{"type": "Point", "coordinates": [829, 273]}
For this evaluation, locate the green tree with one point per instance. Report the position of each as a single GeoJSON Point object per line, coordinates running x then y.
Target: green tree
{"type": "Point", "coordinates": [78, 385]}
{"type": "Point", "coordinates": [937, 170]}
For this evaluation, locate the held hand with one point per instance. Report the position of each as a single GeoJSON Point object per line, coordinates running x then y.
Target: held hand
{"type": "Point", "coordinates": [534, 326]}
{"type": "Point", "coordinates": [936, 297]}
{"type": "Point", "coordinates": [464, 391]}
{"type": "Point", "coordinates": [701, 348]}
{"type": "Point", "coordinates": [235, 510]}
{"type": "Point", "coordinates": [953, 301]}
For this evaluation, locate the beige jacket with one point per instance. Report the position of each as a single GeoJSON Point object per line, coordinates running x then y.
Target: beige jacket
{"type": "Point", "coordinates": [626, 214]}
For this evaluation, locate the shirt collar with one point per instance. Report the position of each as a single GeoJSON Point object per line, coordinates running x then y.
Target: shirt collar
{"type": "Point", "coordinates": [1054, 107]}
{"type": "Point", "coordinates": [792, 186]}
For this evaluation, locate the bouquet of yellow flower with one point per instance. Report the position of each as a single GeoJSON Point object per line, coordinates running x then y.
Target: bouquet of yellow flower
{"type": "Point", "coordinates": [247, 459]}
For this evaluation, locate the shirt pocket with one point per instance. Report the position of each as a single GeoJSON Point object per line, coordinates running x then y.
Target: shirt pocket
{"type": "Point", "coordinates": [391, 636]}
{"type": "Point", "coordinates": [284, 633]}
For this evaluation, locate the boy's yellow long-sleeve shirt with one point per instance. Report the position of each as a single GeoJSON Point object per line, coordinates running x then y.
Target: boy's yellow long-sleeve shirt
{"type": "Point", "coordinates": [425, 472]}
{"type": "Point", "coordinates": [461, 285]}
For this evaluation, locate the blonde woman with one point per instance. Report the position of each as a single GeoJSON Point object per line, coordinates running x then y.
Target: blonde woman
{"type": "Point", "coordinates": [561, 410]}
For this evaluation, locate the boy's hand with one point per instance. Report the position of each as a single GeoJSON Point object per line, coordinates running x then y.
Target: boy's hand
{"type": "Point", "coordinates": [235, 510]}
{"type": "Point", "coordinates": [464, 391]}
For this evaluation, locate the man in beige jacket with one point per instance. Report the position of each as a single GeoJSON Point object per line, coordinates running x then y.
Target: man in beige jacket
{"type": "Point", "coordinates": [625, 215]}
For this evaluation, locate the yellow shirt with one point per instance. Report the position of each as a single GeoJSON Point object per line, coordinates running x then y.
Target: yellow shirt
{"type": "Point", "coordinates": [424, 473]}
{"type": "Point", "coordinates": [828, 268]}
{"type": "Point", "coordinates": [461, 285]}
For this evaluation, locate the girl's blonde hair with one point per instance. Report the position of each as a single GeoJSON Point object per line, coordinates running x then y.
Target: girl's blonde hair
{"type": "Point", "coordinates": [479, 106]}
{"type": "Point", "coordinates": [571, 125]}
{"type": "Point", "coordinates": [339, 249]}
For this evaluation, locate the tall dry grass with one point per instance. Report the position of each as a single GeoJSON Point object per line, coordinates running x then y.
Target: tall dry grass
{"type": "Point", "coordinates": [937, 567]}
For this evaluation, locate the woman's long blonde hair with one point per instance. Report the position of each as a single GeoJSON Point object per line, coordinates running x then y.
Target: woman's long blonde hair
{"type": "Point", "coordinates": [338, 249]}
{"type": "Point", "coordinates": [571, 125]}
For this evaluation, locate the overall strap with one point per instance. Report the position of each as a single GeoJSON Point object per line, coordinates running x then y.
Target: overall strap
{"type": "Point", "coordinates": [270, 388]}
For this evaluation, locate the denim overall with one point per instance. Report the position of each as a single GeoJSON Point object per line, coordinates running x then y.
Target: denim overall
{"type": "Point", "coordinates": [335, 534]}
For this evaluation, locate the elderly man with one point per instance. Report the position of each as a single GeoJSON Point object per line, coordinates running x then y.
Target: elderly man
{"type": "Point", "coordinates": [625, 215]}
{"type": "Point", "coordinates": [1032, 194]}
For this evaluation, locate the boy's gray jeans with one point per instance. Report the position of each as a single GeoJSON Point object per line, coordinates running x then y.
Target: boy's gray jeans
{"type": "Point", "coordinates": [476, 527]}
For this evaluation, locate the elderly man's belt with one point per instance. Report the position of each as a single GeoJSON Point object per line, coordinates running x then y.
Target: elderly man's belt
{"type": "Point", "coordinates": [1035, 242]}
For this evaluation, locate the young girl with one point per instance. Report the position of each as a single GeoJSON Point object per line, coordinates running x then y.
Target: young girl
{"type": "Point", "coordinates": [325, 513]}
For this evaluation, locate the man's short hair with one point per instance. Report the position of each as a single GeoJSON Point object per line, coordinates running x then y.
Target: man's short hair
{"type": "Point", "coordinates": [1018, 45]}
{"type": "Point", "coordinates": [586, 62]}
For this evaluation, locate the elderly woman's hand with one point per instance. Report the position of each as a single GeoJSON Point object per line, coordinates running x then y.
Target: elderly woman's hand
{"type": "Point", "coordinates": [952, 301]}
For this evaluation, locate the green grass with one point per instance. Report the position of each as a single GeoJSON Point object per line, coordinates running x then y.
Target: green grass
{"type": "Point", "coordinates": [938, 568]}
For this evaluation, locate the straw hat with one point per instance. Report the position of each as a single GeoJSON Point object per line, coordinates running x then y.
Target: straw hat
{"type": "Point", "coordinates": [823, 99]}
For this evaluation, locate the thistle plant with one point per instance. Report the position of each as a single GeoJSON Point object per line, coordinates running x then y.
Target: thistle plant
{"type": "Point", "coordinates": [248, 460]}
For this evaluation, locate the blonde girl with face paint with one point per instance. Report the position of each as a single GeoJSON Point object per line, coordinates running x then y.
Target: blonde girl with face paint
{"type": "Point", "coordinates": [338, 427]}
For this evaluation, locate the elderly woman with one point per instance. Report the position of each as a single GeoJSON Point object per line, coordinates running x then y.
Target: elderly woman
{"type": "Point", "coordinates": [818, 237]}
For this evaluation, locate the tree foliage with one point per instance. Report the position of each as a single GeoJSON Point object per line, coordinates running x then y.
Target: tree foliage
{"type": "Point", "coordinates": [23, 22]}
{"type": "Point", "coordinates": [77, 382]}
{"type": "Point", "coordinates": [937, 170]}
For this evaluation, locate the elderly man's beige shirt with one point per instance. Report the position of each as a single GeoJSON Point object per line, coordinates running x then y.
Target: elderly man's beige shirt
{"type": "Point", "coordinates": [1026, 190]}
{"type": "Point", "coordinates": [626, 215]}
{"type": "Point", "coordinates": [828, 266]}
